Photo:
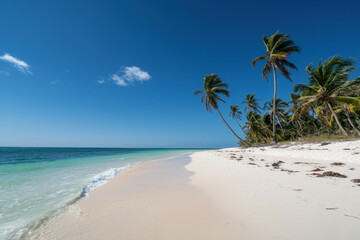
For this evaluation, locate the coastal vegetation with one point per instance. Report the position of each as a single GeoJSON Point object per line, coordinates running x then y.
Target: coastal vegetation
{"type": "Point", "coordinates": [326, 107]}
{"type": "Point", "coordinates": [213, 88]}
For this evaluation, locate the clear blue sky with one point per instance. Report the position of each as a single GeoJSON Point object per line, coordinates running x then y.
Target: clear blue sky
{"type": "Point", "coordinates": [62, 82]}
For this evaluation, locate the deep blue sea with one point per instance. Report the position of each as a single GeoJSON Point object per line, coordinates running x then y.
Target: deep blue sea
{"type": "Point", "coordinates": [37, 183]}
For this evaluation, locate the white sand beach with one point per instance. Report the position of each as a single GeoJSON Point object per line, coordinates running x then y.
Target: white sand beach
{"type": "Point", "coordinates": [287, 191]}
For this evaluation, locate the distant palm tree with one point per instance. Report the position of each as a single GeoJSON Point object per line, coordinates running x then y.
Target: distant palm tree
{"type": "Point", "coordinates": [235, 113]}
{"type": "Point", "coordinates": [278, 49]}
{"type": "Point", "coordinates": [281, 110]}
{"type": "Point", "coordinates": [251, 103]}
{"type": "Point", "coordinates": [213, 87]}
{"type": "Point", "coordinates": [256, 128]}
{"type": "Point", "coordinates": [297, 121]}
{"type": "Point", "coordinates": [329, 86]}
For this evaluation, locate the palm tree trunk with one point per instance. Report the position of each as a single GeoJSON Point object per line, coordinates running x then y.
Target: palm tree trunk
{"type": "Point", "coordinates": [239, 125]}
{"type": "Point", "coordinates": [337, 120]}
{"type": "Point", "coordinates": [245, 143]}
{"type": "Point", "coordinates": [274, 140]}
{"type": "Point", "coordinates": [351, 122]}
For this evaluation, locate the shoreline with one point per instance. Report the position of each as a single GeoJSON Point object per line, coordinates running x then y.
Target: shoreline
{"type": "Point", "coordinates": [97, 181]}
{"type": "Point", "coordinates": [225, 194]}
{"type": "Point", "coordinates": [154, 207]}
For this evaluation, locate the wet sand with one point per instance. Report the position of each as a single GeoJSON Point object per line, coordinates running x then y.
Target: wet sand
{"type": "Point", "coordinates": [152, 201]}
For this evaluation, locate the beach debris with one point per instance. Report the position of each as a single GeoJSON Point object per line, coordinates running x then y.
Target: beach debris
{"type": "Point", "coordinates": [352, 169]}
{"type": "Point", "coordinates": [356, 180]}
{"type": "Point", "coordinates": [251, 159]}
{"type": "Point", "coordinates": [324, 143]}
{"type": "Point", "coordinates": [356, 153]}
{"type": "Point", "coordinates": [251, 163]}
{"type": "Point", "coordinates": [346, 149]}
{"type": "Point", "coordinates": [330, 174]}
{"type": "Point", "coordinates": [317, 170]}
{"type": "Point", "coordinates": [239, 158]}
{"type": "Point", "coordinates": [351, 216]}
{"type": "Point", "coordinates": [267, 165]}
{"type": "Point", "coordinates": [307, 163]}
{"type": "Point", "coordinates": [288, 170]}
{"type": "Point", "coordinates": [262, 159]}
{"type": "Point", "coordinates": [297, 189]}
{"type": "Point", "coordinates": [338, 164]}
{"type": "Point", "coordinates": [277, 164]}
{"type": "Point", "coordinates": [331, 208]}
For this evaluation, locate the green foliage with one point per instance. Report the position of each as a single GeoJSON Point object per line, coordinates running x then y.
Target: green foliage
{"type": "Point", "coordinates": [326, 108]}
{"type": "Point", "coordinates": [213, 88]}
{"type": "Point", "coordinates": [278, 48]}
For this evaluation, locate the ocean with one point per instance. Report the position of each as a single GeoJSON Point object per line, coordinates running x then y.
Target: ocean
{"type": "Point", "coordinates": [37, 183]}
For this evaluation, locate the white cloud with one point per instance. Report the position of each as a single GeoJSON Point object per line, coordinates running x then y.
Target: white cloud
{"type": "Point", "coordinates": [101, 81]}
{"type": "Point", "coordinates": [130, 75]}
{"type": "Point", "coordinates": [118, 80]}
{"type": "Point", "coordinates": [19, 64]}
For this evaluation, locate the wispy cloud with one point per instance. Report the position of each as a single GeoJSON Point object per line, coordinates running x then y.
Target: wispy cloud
{"type": "Point", "coordinates": [118, 80]}
{"type": "Point", "coordinates": [101, 81]}
{"type": "Point", "coordinates": [55, 82]}
{"type": "Point", "coordinates": [130, 75]}
{"type": "Point", "coordinates": [19, 64]}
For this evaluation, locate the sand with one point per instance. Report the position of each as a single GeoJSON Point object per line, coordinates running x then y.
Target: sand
{"type": "Point", "coordinates": [254, 193]}
{"type": "Point", "coordinates": [152, 201]}
{"type": "Point", "coordinates": [286, 201]}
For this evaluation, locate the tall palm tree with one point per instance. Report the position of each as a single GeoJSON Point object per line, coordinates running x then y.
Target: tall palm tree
{"type": "Point", "coordinates": [278, 49]}
{"type": "Point", "coordinates": [235, 113]}
{"type": "Point", "coordinates": [329, 86]}
{"type": "Point", "coordinates": [213, 87]}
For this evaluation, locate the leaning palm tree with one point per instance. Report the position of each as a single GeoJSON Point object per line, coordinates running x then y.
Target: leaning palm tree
{"type": "Point", "coordinates": [213, 87]}
{"type": "Point", "coordinates": [278, 49]}
{"type": "Point", "coordinates": [235, 113]}
{"type": "Point", "coordinates": [329, 86]}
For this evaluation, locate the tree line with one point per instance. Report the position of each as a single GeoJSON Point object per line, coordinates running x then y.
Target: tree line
{"type": "Point", "coordinates": [328, 104]}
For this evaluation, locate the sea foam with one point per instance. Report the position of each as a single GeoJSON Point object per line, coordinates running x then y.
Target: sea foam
{"type": "Point", "coordinates": [101, 179]}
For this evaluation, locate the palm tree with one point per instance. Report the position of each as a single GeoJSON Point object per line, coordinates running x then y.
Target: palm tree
{"type": "Point", "coordinates": [251, 103]}
{"type": "Point", "coordinates": [349, 108]}
{"type": "Point", "coordinates": [235, 114]}
{"type": "Point", "coordinates": [256, 129]}
{"type": "Point", "coordinates": [329, 86]}
{"type": "Point", "coordinates": [297, 121]}
{"type": "Point", "coordinates": [281, 110]}
{"type": "Point", "coordinates": [213, 87]}
{"type": "Point", "coordinates": [278, 49]}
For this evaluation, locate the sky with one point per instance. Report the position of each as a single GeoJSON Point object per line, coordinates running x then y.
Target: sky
{"type": "Point", "coordinates": [122, 73]}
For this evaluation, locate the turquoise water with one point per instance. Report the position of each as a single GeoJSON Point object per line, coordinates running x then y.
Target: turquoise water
{"type": "Point", "coordinates": [37, 183]}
